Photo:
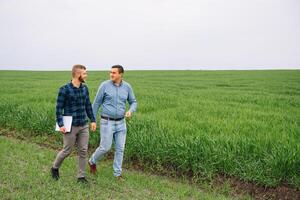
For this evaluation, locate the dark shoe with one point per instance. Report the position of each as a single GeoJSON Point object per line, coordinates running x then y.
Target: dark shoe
{"type": "Point", "coordinates": [82, 180]}
{"type": "Point", "coordinates": [54, 173]}
{"type": "Point", "coordinates": [93, 168]}
{"type": "Point", "coordinates": [120, 178]}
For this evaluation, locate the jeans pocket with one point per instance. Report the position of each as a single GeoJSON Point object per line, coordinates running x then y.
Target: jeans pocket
{"type": "Point", "coordinates": [103, 121]}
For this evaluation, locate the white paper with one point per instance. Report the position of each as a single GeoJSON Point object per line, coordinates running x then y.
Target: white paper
{"type": "Point", "coordinates": [67, 123]}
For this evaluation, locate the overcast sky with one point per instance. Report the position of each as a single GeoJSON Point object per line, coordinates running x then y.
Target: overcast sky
{"type": "Point", "coordinates": [150, 34]}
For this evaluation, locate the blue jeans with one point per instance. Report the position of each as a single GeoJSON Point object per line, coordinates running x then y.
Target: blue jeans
{"type": "Point", "coordinates": [111, 131]}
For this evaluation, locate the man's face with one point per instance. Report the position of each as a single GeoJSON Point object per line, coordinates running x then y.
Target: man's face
{"type": "Point", "coordinates": [82, 75]}
{"type": "Point", "coordinates": [115, 75]}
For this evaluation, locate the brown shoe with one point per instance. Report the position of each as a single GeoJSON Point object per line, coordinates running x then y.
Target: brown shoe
{"type": "Point", "coordinates": [120, 178]}
{"type": "Point", "coordinates": [93, 168]}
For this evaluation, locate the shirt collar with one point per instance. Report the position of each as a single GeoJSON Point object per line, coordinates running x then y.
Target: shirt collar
{"type": "Point", "coordinates": [71, 84]}
{"type": "Point", "coordinates": [115, 84]}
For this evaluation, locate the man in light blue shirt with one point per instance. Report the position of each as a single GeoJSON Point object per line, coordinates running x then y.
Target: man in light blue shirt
{"type": "Point", "coordinates": [112, 96]}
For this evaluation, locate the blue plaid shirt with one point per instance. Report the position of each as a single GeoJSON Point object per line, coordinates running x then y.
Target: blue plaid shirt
{"type": "Point", "coordinates": [75, 102]}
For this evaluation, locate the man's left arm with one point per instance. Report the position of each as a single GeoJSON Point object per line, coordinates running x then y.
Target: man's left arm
{"type": "Point", "coordinates": [88, 108]}
{"type": "Point", "coordinates": [132, 101]}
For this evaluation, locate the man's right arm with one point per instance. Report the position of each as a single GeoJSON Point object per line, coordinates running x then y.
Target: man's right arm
{"type": "Point", "coordinates": [98, 100]}
{"type": "Point", "coordinates": [60, 101]}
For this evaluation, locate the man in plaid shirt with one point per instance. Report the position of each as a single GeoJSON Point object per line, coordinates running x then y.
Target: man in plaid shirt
{"type": "Point", "coordinates": [73, 100]}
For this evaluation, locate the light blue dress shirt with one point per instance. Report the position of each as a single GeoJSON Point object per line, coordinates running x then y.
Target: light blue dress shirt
{"type": "Point", "coordinates": [113, 99]}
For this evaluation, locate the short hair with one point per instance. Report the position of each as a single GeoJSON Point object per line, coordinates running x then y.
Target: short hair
{"type": "Point", "coordinates": [75, 67]}
{"type": "Point", "coordinates": [119, 67]}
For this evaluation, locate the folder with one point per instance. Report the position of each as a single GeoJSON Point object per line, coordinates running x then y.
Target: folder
{"type": "Point", "coordinates": [67, 123]}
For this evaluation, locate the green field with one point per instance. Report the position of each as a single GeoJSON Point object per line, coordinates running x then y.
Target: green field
{"type": "Point", "coordinates": [202, 123]}
{"type": "Point", "coordinates": [24, 174]}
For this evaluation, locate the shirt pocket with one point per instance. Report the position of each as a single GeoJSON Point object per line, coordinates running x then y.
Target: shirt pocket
{"type": "Point", "coordinates": [123, 96]}
{"type": "Point", "coordinates": [108, 95]}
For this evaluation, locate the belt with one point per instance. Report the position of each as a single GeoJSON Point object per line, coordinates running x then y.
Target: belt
{"type": "Point", "coordinates": [112, 119]}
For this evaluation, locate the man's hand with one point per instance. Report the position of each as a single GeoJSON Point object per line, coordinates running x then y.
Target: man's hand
{"type": "Point", "coordinates": [128, 114]}
{"type": "Point", "coordinates": [62, 130]}
{"type": "Point", "coordinates": [93, 126]}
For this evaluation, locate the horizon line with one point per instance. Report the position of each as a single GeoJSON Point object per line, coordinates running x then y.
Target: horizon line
{"type": "Point", "coordinates": [65, 70]}
{"type": "Point", "coordinates": [135, 68]}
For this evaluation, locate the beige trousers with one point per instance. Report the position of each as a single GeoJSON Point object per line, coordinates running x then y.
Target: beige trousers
{"type": "Point", "coordinates": [79, 135]}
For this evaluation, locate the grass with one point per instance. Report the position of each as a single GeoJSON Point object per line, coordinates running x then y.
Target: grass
{"type": "Point", "coordinates": [24, 174]}
{"type": "Point", "coordinates": [240, 123]}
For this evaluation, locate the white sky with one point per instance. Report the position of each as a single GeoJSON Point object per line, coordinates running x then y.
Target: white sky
{"type": "Point", "coordinates": [150, 34]}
